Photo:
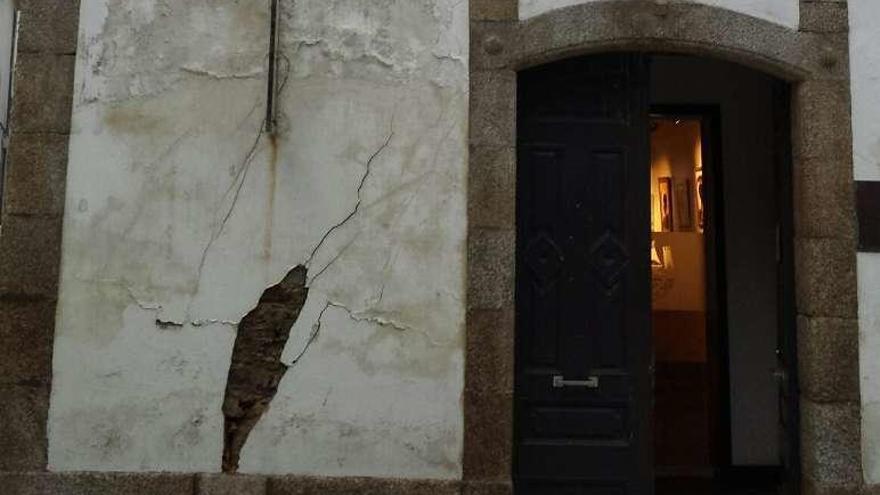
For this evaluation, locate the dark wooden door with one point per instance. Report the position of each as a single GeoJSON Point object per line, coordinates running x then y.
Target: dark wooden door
{"type": "Point", "coordinates": [786, 349]}
{"type": "Point", "coordinates": [583, 364]}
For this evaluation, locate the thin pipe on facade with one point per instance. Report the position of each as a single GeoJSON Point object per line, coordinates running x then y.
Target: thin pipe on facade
{"type": "Point", "coordinates": [272, 86]}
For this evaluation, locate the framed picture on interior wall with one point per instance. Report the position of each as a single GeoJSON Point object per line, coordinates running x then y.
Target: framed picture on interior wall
{"type": "Point", "coordinates": [664, 193]}
{"type": "Point", "coordinates": [654, 226]}
{"type": "Point", "coordinates": [684, 215]}
{"type": "Point", "coordinates": [701, 212]}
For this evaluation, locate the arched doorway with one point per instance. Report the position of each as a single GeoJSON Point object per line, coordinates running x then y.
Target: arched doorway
{"type": "Point", "coordinates": [617, 363]}
{"type": "Point", "coordinates": [824, 252]}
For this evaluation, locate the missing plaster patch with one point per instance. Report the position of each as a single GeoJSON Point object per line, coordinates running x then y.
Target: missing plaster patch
{"type": "Point", "coordinates": [256, 368]}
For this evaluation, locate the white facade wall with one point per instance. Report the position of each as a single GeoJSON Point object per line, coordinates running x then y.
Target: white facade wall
{"type": "Point", "coordinates": [785, 12]}
{"type": "Point", "coordinates": [864, 16]}
{"type": "Point", "coordinates": [168, 106]}
{"type": "Point", "coordinates": [180, 214]}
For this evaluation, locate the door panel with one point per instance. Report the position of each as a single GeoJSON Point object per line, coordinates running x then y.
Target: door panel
{"type": "Point", "coordinates": [786, 349]}
{"type": "Point", "coordinates": [583, 279]}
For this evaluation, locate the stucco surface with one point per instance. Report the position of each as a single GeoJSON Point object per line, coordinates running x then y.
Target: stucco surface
{"type": "Point", "coordinates": [783, 12]}
{"type": "Point", "coordinates": [869, 349]}
{"type": "Point", "coordinates": [864, 17]}
{"type": "Point", "coordinates": [181, 211]}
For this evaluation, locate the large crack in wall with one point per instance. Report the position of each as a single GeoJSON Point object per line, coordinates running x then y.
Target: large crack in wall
{"type": "Point", "coordinates": [256, 368]}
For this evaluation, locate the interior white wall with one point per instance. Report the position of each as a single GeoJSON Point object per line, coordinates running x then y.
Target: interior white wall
{"type": "Point", "coordinates": [179, 214]}
{"type": "Point", "coordinates": [864, 18]}
{"type": "Point", "coordinates": [784, 12]}
{"type": "Point", "coordinates": [750, 226]}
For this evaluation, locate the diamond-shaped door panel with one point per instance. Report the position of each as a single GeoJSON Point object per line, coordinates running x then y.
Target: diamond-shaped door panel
{"type": "Point", "coordinates": [545, 260]}
{"type": "Point", "coordinates": [609, 260]}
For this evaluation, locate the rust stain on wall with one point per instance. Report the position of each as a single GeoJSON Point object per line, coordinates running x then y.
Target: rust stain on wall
{"type": "Point", "coordinates": [270, 197]}
{"type": "Point", "coordinates": [256, 368]}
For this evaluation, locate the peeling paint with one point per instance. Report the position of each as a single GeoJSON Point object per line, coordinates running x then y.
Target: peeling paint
{"type": "Point", "coordinates": [182, 209]}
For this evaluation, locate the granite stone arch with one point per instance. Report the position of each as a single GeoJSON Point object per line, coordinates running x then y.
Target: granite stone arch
{"type": "Point", "coordinates": [815, 60]}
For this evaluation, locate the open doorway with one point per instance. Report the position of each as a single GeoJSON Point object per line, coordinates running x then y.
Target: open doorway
{"type": "Point", "coordinates": [623, 384]}
{"type": "Point", "coordinates": [685, 423]}
{"type": "Point", "coordinates": [719, 287]}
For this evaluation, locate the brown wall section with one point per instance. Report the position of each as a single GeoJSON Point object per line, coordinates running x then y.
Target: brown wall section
{"type": "Point", "coordinates": [30, 243]}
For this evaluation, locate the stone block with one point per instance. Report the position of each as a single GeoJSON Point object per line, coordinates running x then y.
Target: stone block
{"type": "Point", "coordinates": [491, 266]}
{"type": "Point", "coordinates": [97, 483]}
{"type": "Point", "coordinates": [26, 331]}
{"type": "Point", "coordinates": [488, 436]}
{"type": "Point", "coordinates": [824, 200]}
{"type": "Point", "coordinates": [489, 366]}
{"type": "Point", "coordinates": [824, 17]}
{"type": "Point", "coordinates": [825, 277]}
{"type": "Point", "coordinates": [822, 119]}
{"type": "Point", "coordinates": [487, 488]}
{"type": "Point", "coordinates": [23, 414]}
{"type": "Point", "coordinates": [224, 484]}
{"type": "Point", "coordinates": [828, 358]}
{"type": "Point", "coordinates": [811, 487]}
{"type": "Point", "coordinates": [494, 10]}
{"type": "Point", "coordinates": [493, 108]}
{"type": "Point", "coordinates": [492, 44]}
{"type": "Point", "coordinates": [300, 485]}
{"type": "Point", "coordinates": [831, 444]}
{"type": "Point", "coordinates": [30, 255]}
{"type": "Point", "coordinates": [48, 26]}
{"type": "Point", "coordinates": [492, 187]}
{"type": "Point", "coordinates": [43, 93]}
{"type": "Point", "coordinates": [36, 172]}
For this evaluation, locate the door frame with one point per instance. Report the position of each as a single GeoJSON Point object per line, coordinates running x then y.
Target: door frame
{"type": "Point", "coordinates": [816, 63]}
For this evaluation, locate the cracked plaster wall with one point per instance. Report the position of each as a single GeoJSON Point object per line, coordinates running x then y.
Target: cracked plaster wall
{"type": "Point", "coordinates": [180, 213]}
{"type": "Point", "coordinates": [864, 17]}
{"type": "Point", "coordinates": [785, 12]}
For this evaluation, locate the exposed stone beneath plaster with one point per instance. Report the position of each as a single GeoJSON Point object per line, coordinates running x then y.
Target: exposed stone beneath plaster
{"type": "Point", "coordinates": [256, 368]}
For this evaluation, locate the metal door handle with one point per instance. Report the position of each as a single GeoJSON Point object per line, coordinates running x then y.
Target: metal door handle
{"type": "Point", "coordinates": [559, 381]}
{"type": "Point", "coordinates": [780, 375]}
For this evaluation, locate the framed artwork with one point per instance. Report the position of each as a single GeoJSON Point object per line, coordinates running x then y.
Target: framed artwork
{"type": "Point", "coordinates": [654, 226]}
{"type": "Point", "coordinates": [664, 192]}
{"type": "Point", "coordinates": [684, 215]}
{"type": "Point", "coordinates": [701, 211]}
